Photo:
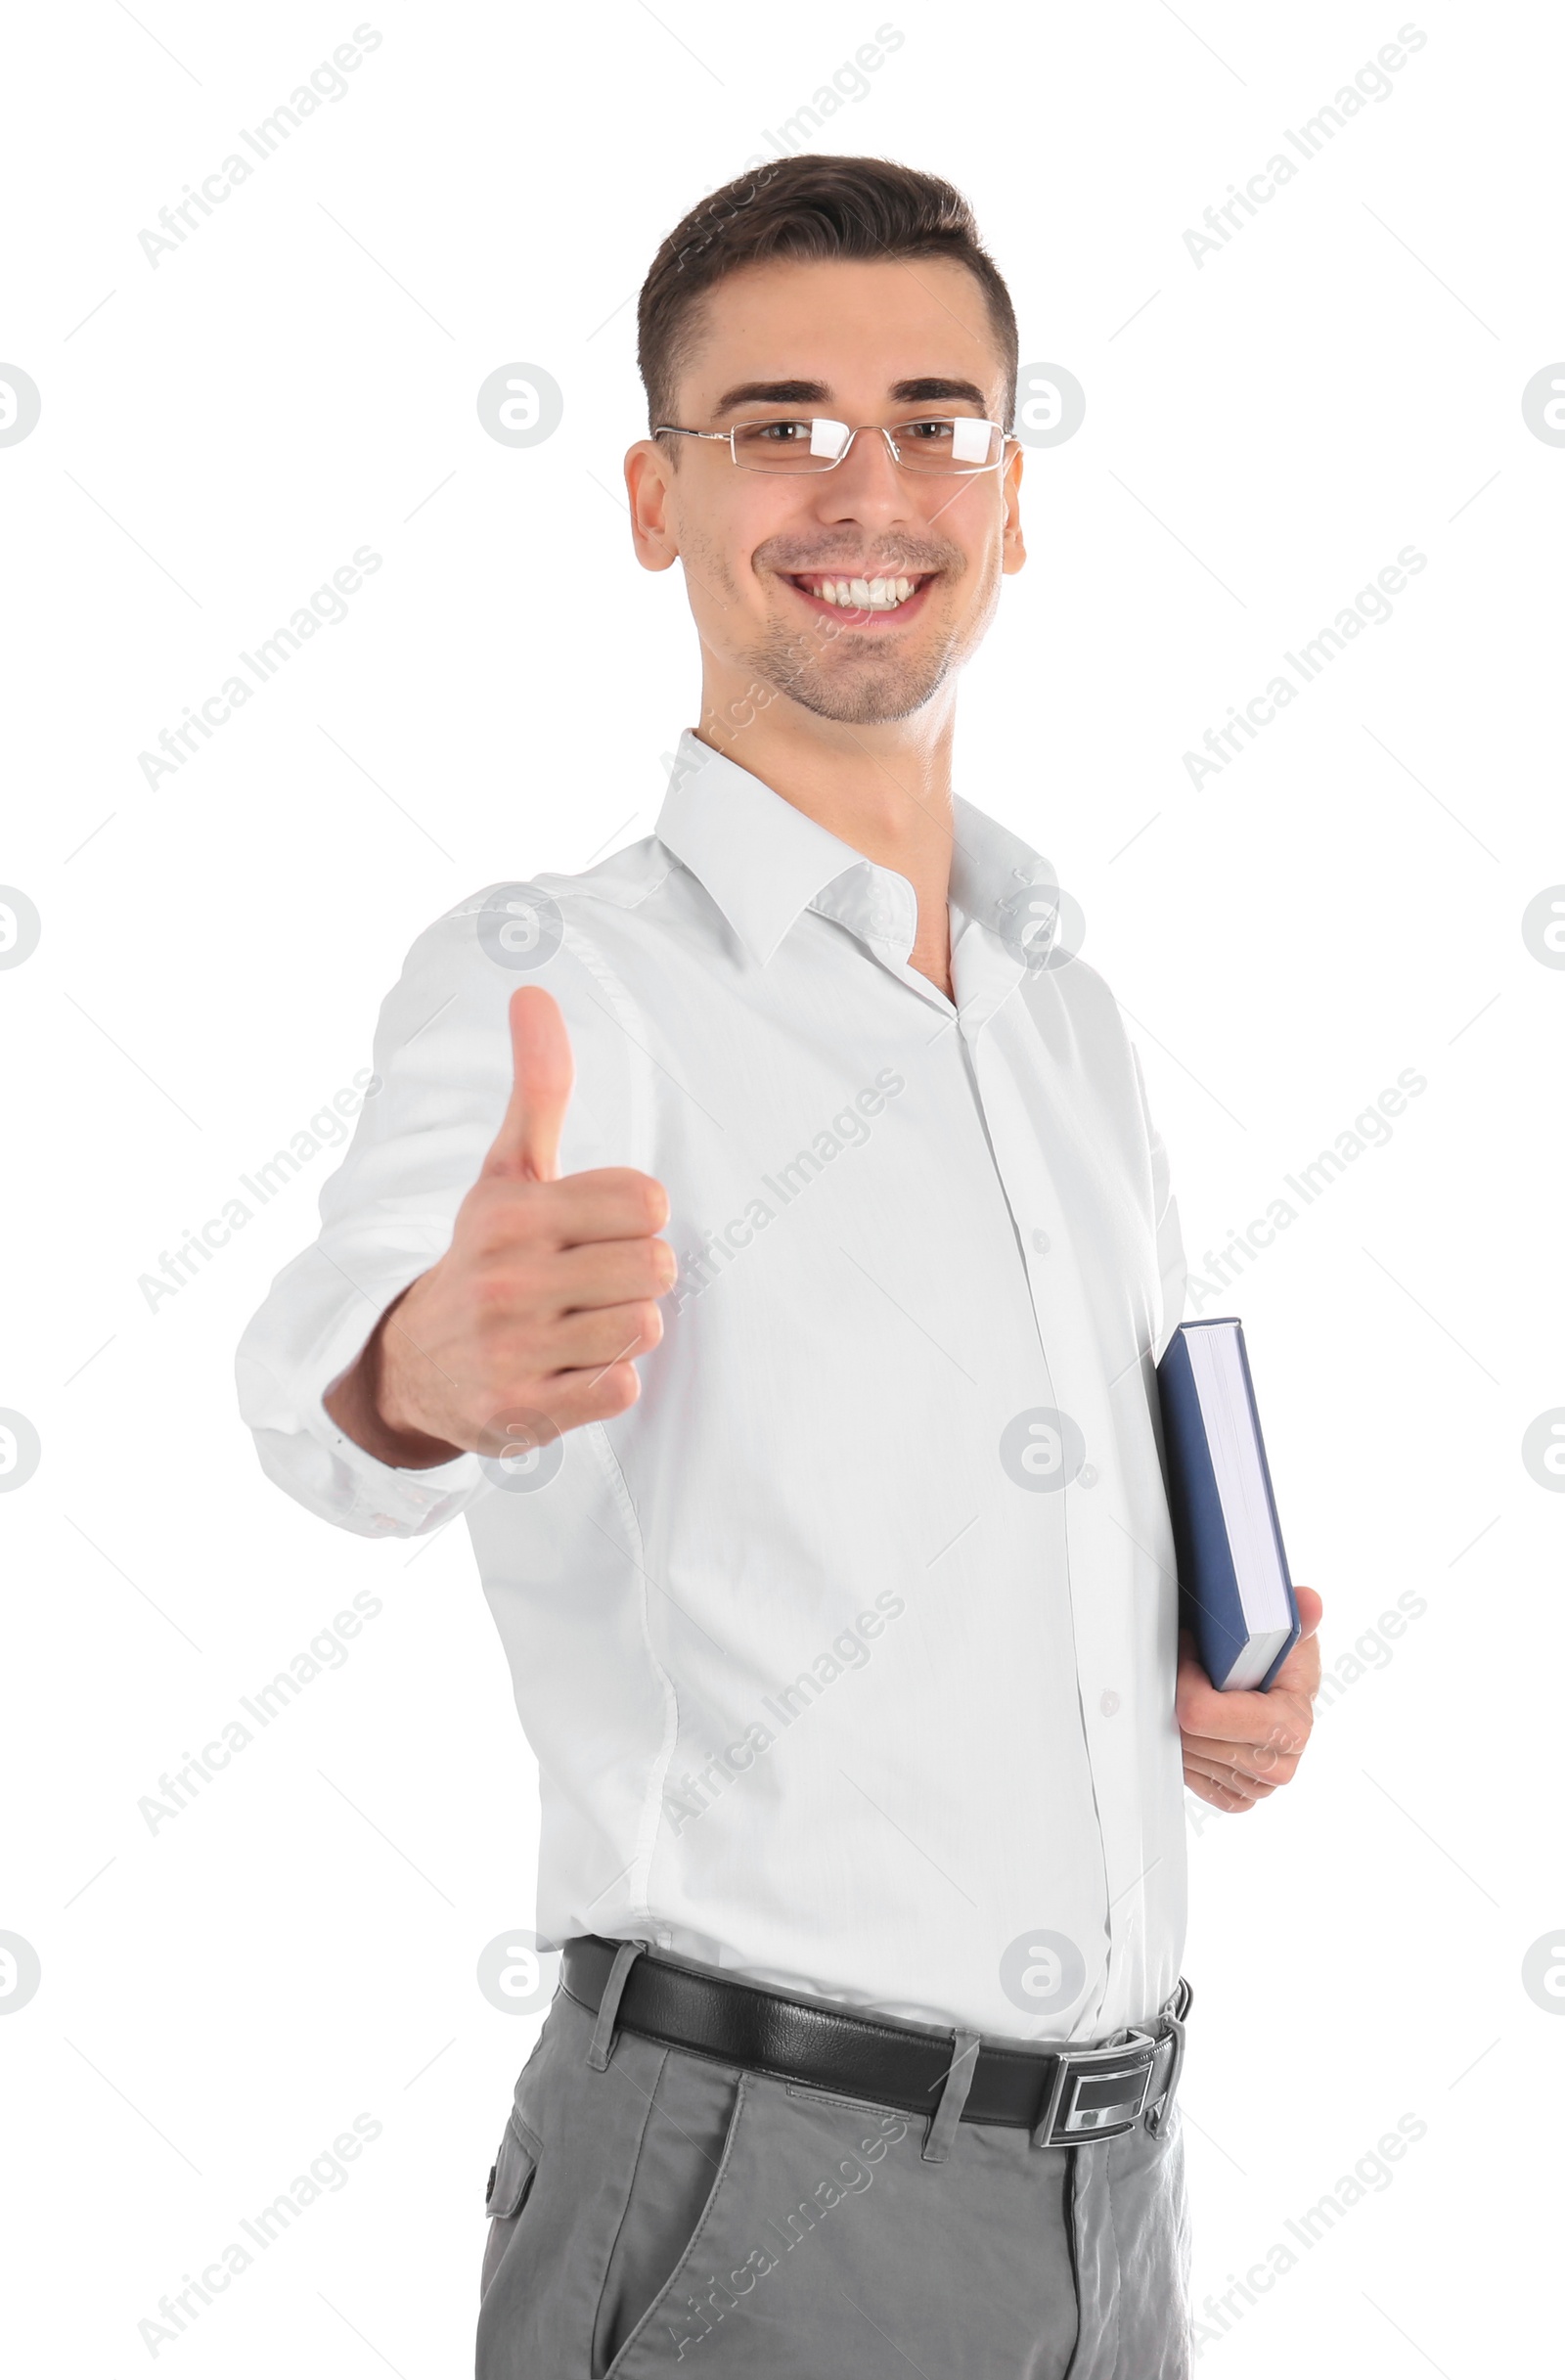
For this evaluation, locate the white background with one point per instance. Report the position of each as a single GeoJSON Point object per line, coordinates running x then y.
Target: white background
{"type": "Point", "coordinates": [1264, 432]}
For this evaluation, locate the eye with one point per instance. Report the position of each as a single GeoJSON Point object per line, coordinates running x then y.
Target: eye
{"type": "Point", "coordinates": [779, 433]}
{"type": "Point", "coordinates": [927, 433]}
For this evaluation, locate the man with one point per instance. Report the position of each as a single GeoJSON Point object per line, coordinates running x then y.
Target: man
{"type": "Point", "coordinates": [779, 1304]}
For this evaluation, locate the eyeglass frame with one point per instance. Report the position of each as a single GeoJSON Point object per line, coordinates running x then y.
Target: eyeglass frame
{"type": "Point", "coordinates": [969, 471]}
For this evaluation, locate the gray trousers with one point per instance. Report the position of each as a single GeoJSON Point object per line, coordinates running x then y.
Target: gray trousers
{"type": "Point", "coordinates": [667, 2214]}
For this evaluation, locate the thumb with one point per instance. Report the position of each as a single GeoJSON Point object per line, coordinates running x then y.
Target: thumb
{"type": "Point", "coordinates": [526, 1147]}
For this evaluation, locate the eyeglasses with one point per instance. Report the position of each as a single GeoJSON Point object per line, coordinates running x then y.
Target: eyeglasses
{"type": "Point", "coordinates": [944, 446]}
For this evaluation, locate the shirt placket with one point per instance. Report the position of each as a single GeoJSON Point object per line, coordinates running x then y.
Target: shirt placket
{"type": "Point", "coordinates": [996, 1033]}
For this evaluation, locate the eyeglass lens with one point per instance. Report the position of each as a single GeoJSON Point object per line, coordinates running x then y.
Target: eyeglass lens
{"type": "Point", "coordinates": [931, 443]}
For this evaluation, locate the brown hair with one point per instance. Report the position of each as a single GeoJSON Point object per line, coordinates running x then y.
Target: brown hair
{"type": "Point", "coordinates": [808, 208]}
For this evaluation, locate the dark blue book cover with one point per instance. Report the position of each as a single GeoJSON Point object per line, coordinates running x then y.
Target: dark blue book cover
{"type": "Point", "coordinates": [1235, 1591]}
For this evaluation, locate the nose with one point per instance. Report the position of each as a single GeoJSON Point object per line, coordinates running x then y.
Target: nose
{"type": "Point", "coordinates": [866, 485]}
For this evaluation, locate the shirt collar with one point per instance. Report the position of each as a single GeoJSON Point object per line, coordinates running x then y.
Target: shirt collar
{"type": "Point", "coordinates": [763, 862]}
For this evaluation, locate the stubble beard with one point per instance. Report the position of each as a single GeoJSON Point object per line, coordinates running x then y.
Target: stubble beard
{"type": "Point", "coordinates": [856, 688]}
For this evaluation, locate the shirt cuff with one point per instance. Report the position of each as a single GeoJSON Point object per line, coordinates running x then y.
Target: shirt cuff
{"type": "Point", "coordinates": [392, 1500]}
{"type": "Point", "coordinates": [306, 1451]}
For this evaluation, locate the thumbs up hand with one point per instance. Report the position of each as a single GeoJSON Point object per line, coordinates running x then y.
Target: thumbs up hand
{"type": "Point", "coordinates": [547, 1292]}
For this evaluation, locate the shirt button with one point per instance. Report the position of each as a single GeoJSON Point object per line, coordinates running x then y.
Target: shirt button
{"type": "Point", "coordinates": [1041, 1243]}
{"type": "Point", "coordinates": [1108, 1702]}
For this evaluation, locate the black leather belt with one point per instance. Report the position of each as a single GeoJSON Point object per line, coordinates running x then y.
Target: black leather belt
{"type": "Point", "coordinates": [1058, 2095]}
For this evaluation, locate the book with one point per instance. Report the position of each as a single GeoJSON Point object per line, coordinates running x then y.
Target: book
{"type": "Point", "coordinates": [1235, 1592]}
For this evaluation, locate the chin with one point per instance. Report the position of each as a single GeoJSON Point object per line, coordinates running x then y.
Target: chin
{"type": "Point", "coordinates": [871, 690]}
{"type": "Point", "coordinates": [871, 698]}
{"type": "Point", "coordinates": [861, 706]}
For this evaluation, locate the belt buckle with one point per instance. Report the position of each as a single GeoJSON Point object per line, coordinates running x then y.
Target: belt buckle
{"type": "Point", "coordinates": [1097, 2093]}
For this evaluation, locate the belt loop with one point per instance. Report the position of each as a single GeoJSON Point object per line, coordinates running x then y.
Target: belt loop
{"type": "Point", "coordinates": [953, 2099]}
{"type": "Point", "coordinates": [1157, 2117]}
{"type": "Point", "coordinates": [603, 2040]}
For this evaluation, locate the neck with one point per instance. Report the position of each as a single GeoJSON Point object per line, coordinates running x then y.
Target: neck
{"type": "Point", "coordinates": [884, 789]}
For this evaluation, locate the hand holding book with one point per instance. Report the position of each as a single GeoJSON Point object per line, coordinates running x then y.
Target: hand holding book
{"type": "Point", "coordinates": [1249, 1665]}
{"type": "Point", "coordinates": [1240, 1746]}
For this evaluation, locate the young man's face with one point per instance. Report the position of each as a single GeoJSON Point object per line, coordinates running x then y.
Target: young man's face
{"type": "Point", "coordinates": [862, 343]}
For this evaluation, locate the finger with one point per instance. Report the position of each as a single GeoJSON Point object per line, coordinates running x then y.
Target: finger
{"type": "Point", "coordinates": [1234, 1780]}
{"type": "Point", "coordinates": [613, 1202]}
{"type": "Point", "coordinates": [1276, 1722]}
{"type": "Point", "coordinates": [595, 1394]}
{"type": "Point", "coordinates": [1310, 1609]}
{"type": "Point", "coordinates": [610, 1202]}
{"type": "Point", "coordinates": [614, 1272]}
{"type": "Point", "coordinates": [526, 1147]}
{"type": "Point", "coordinates": [598, 1335]}
{"type": "Point", "coordinates": [1281, 1717]}
{"type": "Point", "coordinates": [1259, 1761]}
{"type": "Point", "coordinates": [1217, 1795]}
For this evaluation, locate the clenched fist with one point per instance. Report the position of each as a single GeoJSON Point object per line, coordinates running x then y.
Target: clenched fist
{"type": "Point", "coordinates": [547, 1289]}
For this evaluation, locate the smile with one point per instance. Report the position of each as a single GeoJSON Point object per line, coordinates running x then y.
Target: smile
{"type": "Point", "coordinates": [864, 594]}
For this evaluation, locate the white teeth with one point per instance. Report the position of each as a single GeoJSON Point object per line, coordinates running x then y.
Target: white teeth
{"type": "Point", "coordinates": [866, 594]}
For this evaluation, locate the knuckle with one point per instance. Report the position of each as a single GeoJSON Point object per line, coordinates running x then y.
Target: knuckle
{"type": "Point", "coordinates": [616, 1391]}
{"type": "Point", "coordinates": [507, 1284]}
{"type": "Point", "coordinates": [499, 1220]}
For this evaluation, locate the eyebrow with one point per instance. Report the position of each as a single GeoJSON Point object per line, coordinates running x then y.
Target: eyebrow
{"type": "Point", "coordinates": [816, 392]}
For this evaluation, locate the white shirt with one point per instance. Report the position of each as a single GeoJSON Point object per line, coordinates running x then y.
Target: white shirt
{"type": "Point", "coordinates": [847, 1666]}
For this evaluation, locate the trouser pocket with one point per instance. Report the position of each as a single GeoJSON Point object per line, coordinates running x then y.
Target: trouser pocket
{"type": "Point", "coordinates": [683, 2141]}
{"type": "Point", "coordinates": [510, 2179]}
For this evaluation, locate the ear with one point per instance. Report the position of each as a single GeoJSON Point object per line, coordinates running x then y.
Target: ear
{"type": "Point", "coordinates": [648, 484]}
{"type": "Point", "coordinates": [1013, 547]}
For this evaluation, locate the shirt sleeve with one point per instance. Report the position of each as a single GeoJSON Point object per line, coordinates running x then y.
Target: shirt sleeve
{"type": "Point", "coordinates": [1173, 1269]}
{"type": "Point", "coordinates": [440, 1084]}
